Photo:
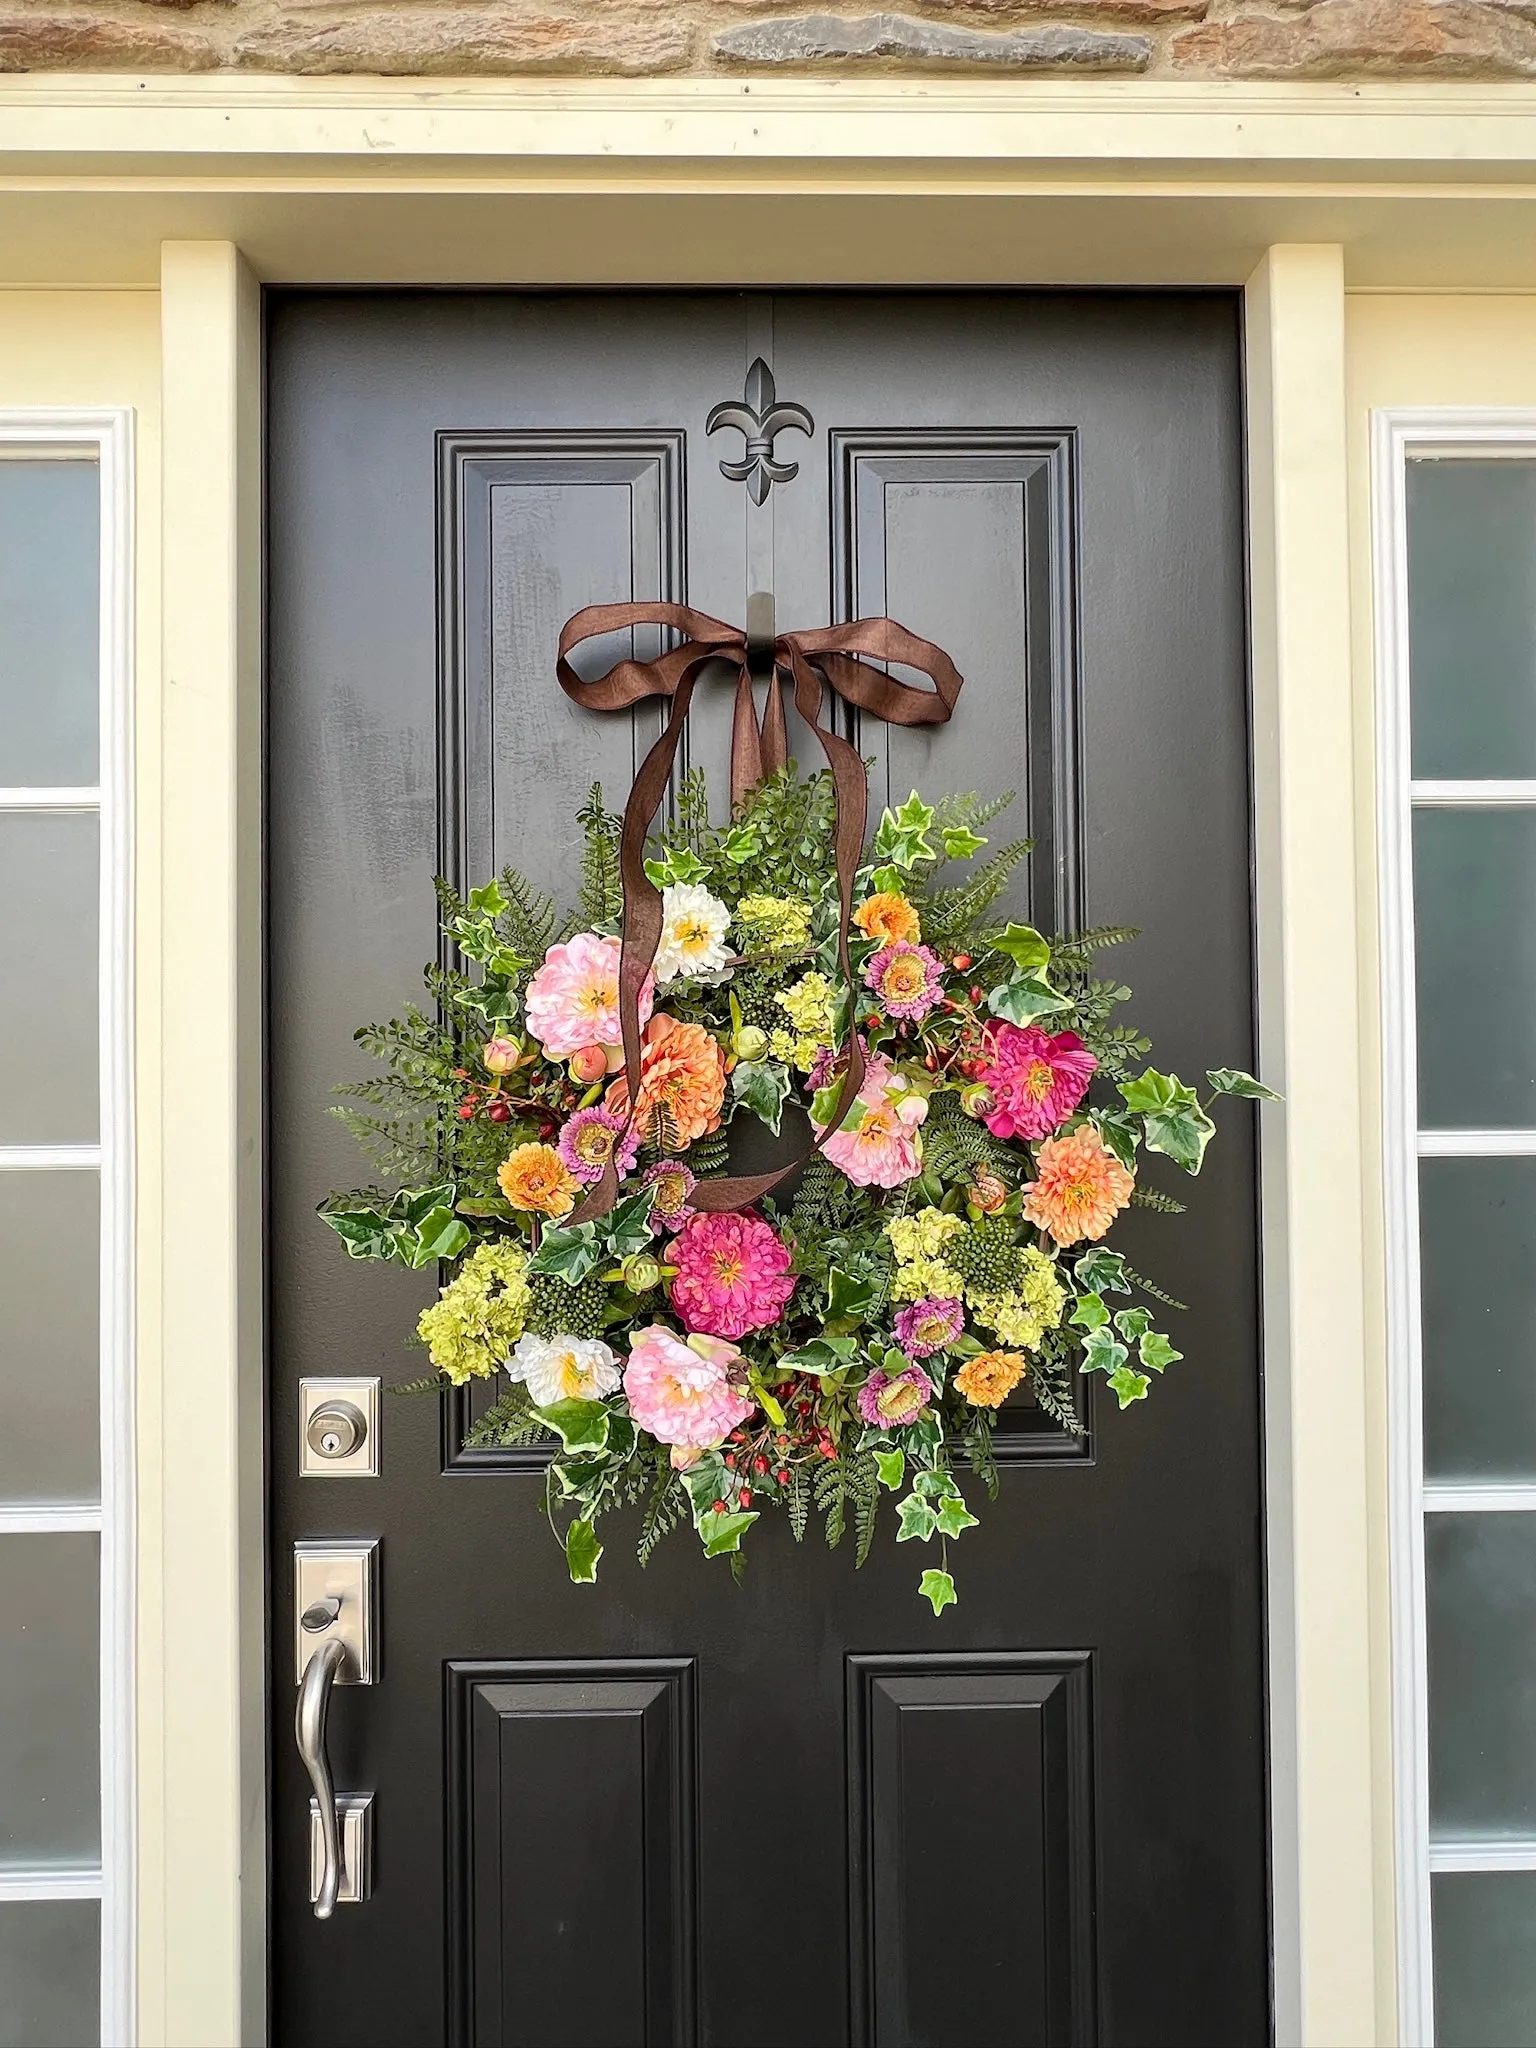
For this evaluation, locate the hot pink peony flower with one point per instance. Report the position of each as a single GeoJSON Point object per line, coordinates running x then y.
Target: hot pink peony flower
{"type": "Point", "coordinates": [587, 1141]}
{"type": "Point", "coordinates": [732, 1273]}
{"type": "Point", "coordinates": [1036, 1081]}
{"type": "Point", "coordinates": [681, 1391]}
{"type": "Point", "coordinates": [573, 1000]}
{"type": "Point", "coordinates": [879, 1148]}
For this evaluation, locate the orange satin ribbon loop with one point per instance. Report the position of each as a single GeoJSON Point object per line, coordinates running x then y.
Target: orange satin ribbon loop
{"type": "Point", "coordinates": [835, 658]}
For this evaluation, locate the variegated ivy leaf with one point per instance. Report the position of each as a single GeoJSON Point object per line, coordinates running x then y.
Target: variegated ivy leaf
{"type": "Point", "coordinates": [582, 1551]}
{"type": "Point", "coordinates": [1233, 1081]}
{"type": "Point", "coordinates": [761, 1086]}
{"type": "Point", "coordinates": [1090, 1312]}
{"type": "Point", "coordinates": [1128, 1385]}
{"type": "Point", "coordinates": [1133, 1323]}
{"type": "Point", "coordinates": [821, 1356]}
{"type": "Point", "coordinates": [903, 835]}
{"type": "Point", "coordinates": [1155, 1352]}
{"type": "Point", "coordinates": [1172, 1119]}
{"type": "Point", "coordinates": [677, 864]}
{"type": "Point", "coordinates": [892, 1467]}
{"type": "Point", "coordinates": [1102, 1272]}
{"type": "Point", "coordinates": [719, 1533]}
{"type": "Point", "coordinates": [1024, 947]}
{"type": "Point", "coordinates": [570, 1254]}
{"type": "Point", "coordinates": [850, 1296]}
{"type": "Point", "coordinates": [1103, 1353]}
{"type": "Point", "coordinates": [938, 1589]}
{"type": "Point", "coordinates": [954, 1515]}
{"type": "Point", "coordinates": [960, 843]}
{"type": "Point", "coordinates": [580, 1425]}
{"type": "Point", "coordinates": [918, 1519]}
{"type": "Point", "coordinates": [1024, 998]}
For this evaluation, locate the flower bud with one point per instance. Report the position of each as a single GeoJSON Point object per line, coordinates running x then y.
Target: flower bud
{"type": "Point", "coordinates": [640, 1273]}
{"type": "Point", "coordinates": [750, 1042]}
{"type": "Point", "coordinates": [684, 1455]}
{"type": "Point", "coordinates": [989, 1192]}
{"type": "Point", "coordinates": [500, 1055]}
{"type": "Point", "coordinates": [589, 1064]}
{"type": "Point", "coordinates": [977, 1100]}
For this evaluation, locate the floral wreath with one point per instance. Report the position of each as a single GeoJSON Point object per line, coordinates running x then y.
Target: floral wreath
{"type": "Point", "coordinates": [555, 1126]}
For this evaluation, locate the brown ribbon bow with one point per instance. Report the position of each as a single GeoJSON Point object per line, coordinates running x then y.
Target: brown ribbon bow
{"type": "Point", "coordinates": [835, 658]}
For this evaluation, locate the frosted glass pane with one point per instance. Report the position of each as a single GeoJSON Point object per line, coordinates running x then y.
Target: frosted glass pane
{"type": "Point", "coordinates": [48, 920]}
{"type": "Point", "coordinates": [1485, 1958]}
{"type": "Point", "coordinates": [1477, 1258]}
{"type": "Point", "coordinates": [1482, 1673]}
{"type": "Point", "coordinates": [1472, 617]}
{"type": "Point", "coordinates": [50, 1772]}
{"type": "Point", "coordinates": [50, 1973]}
{"type": "Point", "coordinates": [49, 660]}
{"type": "Point", "coordinates": [49, 1340]}
{"type": "Point", "coordinates": [1475, 909]}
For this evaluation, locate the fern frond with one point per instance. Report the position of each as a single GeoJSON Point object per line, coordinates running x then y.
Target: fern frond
{"type": "Point", "coordinates": [951, 915]}
{"type": "Point", "coordinates": [666, 1507]}
{"type": "Point", "coordinates": [1051, 1378]}
{"type": "Point", "coordinates": [798, 1500]}
{"type": "Point", "coordinates": [1157, 1201]}
{"type": "Point", "coordinates": [977, 1444]}
{"type": "Point", "coordinates": [1094, 939]}
{"type": "Point", "coordinates": [1157, 1293]}
{"type": "Point", "coordinates": [602, 893]}
{"type": "Point", "coordinates": [505, 1423]}
{"type": "Point", "coordinates": [434, 1383]}
{"type": "Point", "coordinates": [955, 1145]}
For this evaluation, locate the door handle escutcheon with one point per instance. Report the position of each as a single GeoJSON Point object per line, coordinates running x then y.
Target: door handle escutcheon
{"type": "Point", "coordinates": [309, 1728]}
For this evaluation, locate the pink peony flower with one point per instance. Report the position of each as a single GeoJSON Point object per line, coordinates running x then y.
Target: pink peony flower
{"type": "Point", "coordinates": [879, 1148]}
{"type": "Point", "coordinates": [587, 1141]}
{"type": "Point", "coordinates": [573, 1000]}
{"type": "Point", "coordinates": [732, 1273]}
{"type": "Point", "coordinates": [671, 1184]}
{"type": "Point", "coordinates": [905, 979]}
{"type": "Point", "coordinates": [681, 1391]}
{"type": "Point", "coordinates": [929, 1325]}
{"type": "Point", "coordinates": [1036, 1081]}
{"type": "Point", "coordinates": [888, 1400]}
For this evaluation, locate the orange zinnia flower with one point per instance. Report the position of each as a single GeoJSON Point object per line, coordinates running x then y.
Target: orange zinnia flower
{"type": "Point", "coordinates": [682, 1085]}
{"type": "Point", "coordinates": [987, 1380]}
{"type": "Point", "coordinates": [534, 1177]}
{"type": "Point", "coordinates": [887, 918]}
{"type": "Point", "coordinates": [1079, 1189]}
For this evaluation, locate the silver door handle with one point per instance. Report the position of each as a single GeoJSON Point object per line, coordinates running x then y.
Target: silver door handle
{"type": "Point", "coordinates": [309, 1727]}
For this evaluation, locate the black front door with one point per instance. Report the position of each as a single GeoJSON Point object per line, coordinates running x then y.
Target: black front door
{"type": "Point", "coordinates": [669, 1808]}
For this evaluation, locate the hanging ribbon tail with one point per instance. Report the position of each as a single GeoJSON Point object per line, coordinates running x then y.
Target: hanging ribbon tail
{"type": "Point", "coordinates": [835, 658]}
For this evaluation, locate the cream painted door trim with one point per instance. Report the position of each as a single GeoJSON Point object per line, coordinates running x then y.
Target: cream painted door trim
{"type": "Point", "coordinates": [203, 1823]}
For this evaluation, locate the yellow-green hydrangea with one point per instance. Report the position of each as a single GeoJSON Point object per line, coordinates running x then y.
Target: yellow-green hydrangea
{"type": "Point", "coordinates": [471, 1327]}
{"type": "Point", "coordinates": [915, 1279]}
{"type": "Point", "coordinates": [922, 1234]}
{"type": "Point", "coordinates": [781, 923]}
{"type": "Point", "coordinates": [808, 1005]}
{"type": "Point", "coordinates": [1022, 1316]}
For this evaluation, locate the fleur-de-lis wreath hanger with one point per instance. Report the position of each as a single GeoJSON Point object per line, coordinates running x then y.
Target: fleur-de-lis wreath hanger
{"type": "Point", "coordinates": [760, 415]}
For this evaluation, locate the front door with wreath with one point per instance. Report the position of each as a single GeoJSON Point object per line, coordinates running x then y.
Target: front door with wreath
{"type": "Point", "coordinates": [731, 1787]}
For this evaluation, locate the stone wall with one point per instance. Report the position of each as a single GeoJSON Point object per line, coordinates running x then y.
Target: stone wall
{"type": "Point", "coordinates": [1244, 39]}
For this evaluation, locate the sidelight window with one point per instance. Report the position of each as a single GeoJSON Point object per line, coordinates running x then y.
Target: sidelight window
{"type": "Point", "coordinates": [1456, 584]}
{"type": "Point", "coordinates": [65, 1240]}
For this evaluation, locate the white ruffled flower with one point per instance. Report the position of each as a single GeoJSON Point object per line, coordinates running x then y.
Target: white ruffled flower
{"type": "Point", "coordinates": [693, 928]}
{"type": "Point", "coordinates": [564, 1368]}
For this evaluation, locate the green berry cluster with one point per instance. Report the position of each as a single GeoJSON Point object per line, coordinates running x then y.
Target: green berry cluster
{"type": "Point", "coordinates": [556, 1309]}
{"type": "Point", "coordinates": [986, 1257]}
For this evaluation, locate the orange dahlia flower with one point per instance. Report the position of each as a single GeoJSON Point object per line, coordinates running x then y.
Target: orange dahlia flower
{"type": "Point", "coordinates": [534, 1177]}
{"type": "Point", "coordinates": [1079, 1188]}
{"type": "Point", "coordinates": [682, 1084]}
{"type": "Point", "coordinates": [888, 918]}
{"type": "Point", "coordinates": [987, 1380]}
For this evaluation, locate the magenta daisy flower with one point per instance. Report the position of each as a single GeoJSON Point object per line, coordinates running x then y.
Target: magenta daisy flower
{"type": "Point", "coordinates": [671, 1184]}
{"type": "Point", "coordinates": [891, 1400]}
{"type": "Point", "coordinates": [587, 1143]}
{"type": "Point", "coordinates": [905, 979]}
{"type": "Point", "coordinates": [929, 1325]}
{"type": "Point", "coordinates": [732, 1273]}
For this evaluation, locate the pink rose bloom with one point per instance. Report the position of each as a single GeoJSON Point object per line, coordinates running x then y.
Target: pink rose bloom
{"type": "Point", "coordinates": [732, 1273]}
{"type": "Point", "coordinates": [681, 1392]}
{"type": "Point", "coordinates": [1036, 1081]}
{"type": "Point", "coordinates": [573, 1000]}
{"type": "Point", "coordinates": [879, 1148]}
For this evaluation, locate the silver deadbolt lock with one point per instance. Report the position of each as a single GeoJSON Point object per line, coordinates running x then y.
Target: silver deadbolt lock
{"type": "Point", "coordinates": [336, 1429]}
{"type": "Point", "coordinates": [339, 1428]}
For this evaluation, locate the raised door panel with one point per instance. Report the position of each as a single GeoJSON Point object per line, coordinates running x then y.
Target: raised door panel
{"type": "Point", "coordinates": [571, 1850]}
{"type": "Point", "coordinates": [1010, 1832]}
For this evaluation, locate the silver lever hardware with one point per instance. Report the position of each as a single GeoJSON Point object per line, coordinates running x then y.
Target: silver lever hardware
{"type": "Point", "coordinates": [335, 1643]}
{"type": "Point", "coordinates": [309, 1728]}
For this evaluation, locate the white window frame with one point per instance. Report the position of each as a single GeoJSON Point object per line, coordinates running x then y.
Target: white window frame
{"type": "Point", "coordinates": [105, 435]}
{"type": "Point", "coordinates": [1399, 436]}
